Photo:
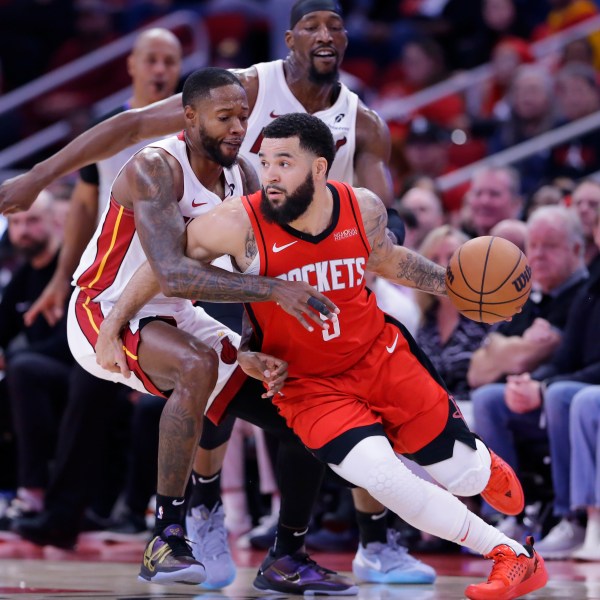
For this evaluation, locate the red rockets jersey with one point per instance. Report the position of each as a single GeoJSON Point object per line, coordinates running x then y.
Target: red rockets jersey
{"type": "Point", "coordinates": [335, 263]}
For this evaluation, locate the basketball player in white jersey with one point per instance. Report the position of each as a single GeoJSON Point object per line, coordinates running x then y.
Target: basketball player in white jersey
{"type": "Point", "coordinates": [160, 188]}
{"type": "Point", "coordinates": [305, 81]}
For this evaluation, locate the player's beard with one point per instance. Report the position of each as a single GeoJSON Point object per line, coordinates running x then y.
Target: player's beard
{"type": "Point", "coordinates": [323, 78]}
{"type": "Point", "coordinates": [212, 146]}
{"type": "Point", "coordinates": [294, 206]}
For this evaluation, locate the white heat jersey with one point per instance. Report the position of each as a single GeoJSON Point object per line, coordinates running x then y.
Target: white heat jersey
{"type": "Point", "coordinates": [108, 169]}
{"type": "Point", "coordinates": [275, 99]}
{"type": "Point", "coordinates": [115, 252]}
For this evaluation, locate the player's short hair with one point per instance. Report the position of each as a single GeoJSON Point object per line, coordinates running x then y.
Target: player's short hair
{"type": "Point", "coordinates": [200, 83]}
{"type": "Point", "coordinates": [312, 133]}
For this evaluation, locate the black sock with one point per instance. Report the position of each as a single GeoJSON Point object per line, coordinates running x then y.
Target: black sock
{"type": "Point", "coordinates": [372, 527]}
{"type": "Point", "coordinates": [169, 511]}
{"type": "Point", "coordinates": [289, 540]}
{"type": "Point", "coordinates": [206, 490]}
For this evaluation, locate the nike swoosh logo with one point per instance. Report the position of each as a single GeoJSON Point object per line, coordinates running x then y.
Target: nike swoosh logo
{"type": "Point", "coordinates": [196, 204]}
{"type": "Point", "coordinates": [178, 502]}
{"type": "Point", "coordinates": [299, 533]}
{"type": "Point", "coordinates": [373, 564]}
{"type": "Point", "coordinates": [379, 516]}
{"type": "Point", "coordinates": [277, 248]}
{"type": "Point", "coordinates": [466, 534]}
{"type": "Point", "coordinates": [391, 348]}
{"type": "Point", "coordinates": [293, 578]}
{"type": "Point", "coordinates": [273, 115]}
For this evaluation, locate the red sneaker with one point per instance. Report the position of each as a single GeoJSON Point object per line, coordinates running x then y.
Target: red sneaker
{"type": "Point", "coordinates": [512, 576]}
{"type": "Point", "coordinates": [503, 491]}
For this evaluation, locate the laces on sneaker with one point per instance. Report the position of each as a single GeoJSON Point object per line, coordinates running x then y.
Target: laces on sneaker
{"type": "Point", "coordinates": [307, 561]}
{"type": "Point", "coordinates": [179, 545]}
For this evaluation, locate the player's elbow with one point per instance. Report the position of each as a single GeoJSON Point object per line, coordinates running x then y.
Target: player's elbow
{"type": "Point", "coordinates": [169, 283]}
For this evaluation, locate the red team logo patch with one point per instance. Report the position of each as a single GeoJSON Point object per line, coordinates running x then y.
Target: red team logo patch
{"type": "Point", "coordinates": [228, 351]}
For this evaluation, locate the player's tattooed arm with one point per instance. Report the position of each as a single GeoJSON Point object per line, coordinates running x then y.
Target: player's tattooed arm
{"type": "Point", "coordinates": [396, 263]}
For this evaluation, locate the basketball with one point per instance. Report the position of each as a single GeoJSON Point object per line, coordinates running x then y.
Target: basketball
{"type": "Point", "coordinates": [488, 279]}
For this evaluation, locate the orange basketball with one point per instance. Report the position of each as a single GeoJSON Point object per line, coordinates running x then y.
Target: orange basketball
{"type": "Point", "coordinates": [488, 279]}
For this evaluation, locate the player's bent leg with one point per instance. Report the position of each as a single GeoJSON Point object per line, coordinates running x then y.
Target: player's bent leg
{"type": "Point", "coordinates": [175, 360]}
{"type": "Point", "coordinates": [469, 472]}
{"type": "Point", "coordinates": [372, 464]}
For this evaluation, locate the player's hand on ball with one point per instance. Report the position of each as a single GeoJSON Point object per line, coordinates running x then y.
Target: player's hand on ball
{"type": "Point", "coordinates": [270, 370]}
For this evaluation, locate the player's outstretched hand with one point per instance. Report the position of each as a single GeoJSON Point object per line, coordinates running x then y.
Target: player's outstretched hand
{"type": "Point", "coordinates": [18, 193]}
{"type": "Point", "coordinates": [303, 301]}
{"type": "Point", "coordinates": [110, 354]}
{"type": "Point", "coordinates": [266, 368]}
{"type": "Point", "coordinates": [51, 302]}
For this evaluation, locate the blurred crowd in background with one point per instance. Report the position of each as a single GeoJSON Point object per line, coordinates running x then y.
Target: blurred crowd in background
{"type": "Point", "coordinates": [548, 203]}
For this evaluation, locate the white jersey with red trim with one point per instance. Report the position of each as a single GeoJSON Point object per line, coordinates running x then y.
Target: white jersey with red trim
{"type": "Point", "coordinates": [115, 252]}
{"type": "Point", "coordinates": [275, 99]}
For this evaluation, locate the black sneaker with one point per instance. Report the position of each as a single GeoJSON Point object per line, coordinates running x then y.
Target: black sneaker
{"type": "Point", "coordinates": [45, 529]}
{"type": "Point", "coordinates": [128, 527]}
{"type": "Point", "coordinates": [299, 574]}
{"type": "Point", "coordinates": [168, 559]}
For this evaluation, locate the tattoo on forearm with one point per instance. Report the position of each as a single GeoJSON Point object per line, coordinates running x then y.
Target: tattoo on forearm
{"type": "Point", "coordinates": [426, 275]}
{"type": "Point", "coordinates": [251, 248]}
{"type": "Point", "coordinates": [215, 285]}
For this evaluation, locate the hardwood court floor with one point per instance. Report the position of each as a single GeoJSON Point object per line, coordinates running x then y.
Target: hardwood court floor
{"type": "Point", "coordinates": [110, 572]}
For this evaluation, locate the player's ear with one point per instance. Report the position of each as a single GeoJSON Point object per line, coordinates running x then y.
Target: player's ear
{"type": "Point", "coordinates": [289, 39]}
{"type": "Point", "coordinates": [189, 112]}
{"type": "Point", "coordinates": [320, 168]}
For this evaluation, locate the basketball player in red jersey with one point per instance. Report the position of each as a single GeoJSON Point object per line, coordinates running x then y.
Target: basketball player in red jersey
{"type": "Point", "coordinates": [360, 390]}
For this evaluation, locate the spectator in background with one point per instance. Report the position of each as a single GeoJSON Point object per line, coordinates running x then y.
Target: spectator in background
{"type": "Point", "coordinates": [421, 65]}
{"type": "Point", "coordinates": [530, 113]}
{"type": "Point", "coordinates": [547, 195]}
{"type": "Point", "coordinates": [584, 434]}
{"type": "Point", "coordinates": [564, 14]}
{"type": "Point", "coordinates": [578, 96]}
{"type": "Point", "coordinates": [496, 21]}
{"type": "Point", "coordinates": [427, 208]}
{"type": "Point", "coordinates": [36, 357]}
{"type": "Point", "coordinates": [579, 51]}
{"type": "Point", "coordinates": [494, 195]}
{"type": "Point", "coordinates": [585, 201]}
{"type": "Point", "coordinates": [555, 254]}
{"type": "Point", "coordinates": [513, 230]}
{"type": "Point", "coordinates": [507, 57]}
{"type": "Point", "coordinates": [447, 337]}
{"type": "Point", "coordinates": [551, 389]}
{"type": "Point", "coordinates": [427, 151]}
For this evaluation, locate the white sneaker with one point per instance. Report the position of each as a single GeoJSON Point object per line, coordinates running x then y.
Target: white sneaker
{"type": "Point", "coordinates": [389, 563]}
{"type": "Point", "coordinates": [206, 530]}
{"type": "Point", "coordinates": [562, 540]}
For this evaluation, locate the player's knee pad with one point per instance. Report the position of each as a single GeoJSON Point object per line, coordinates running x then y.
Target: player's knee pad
{"type": "Point", "coordinates": [390, 482]}
{"type": "Point", "coordinates": [467, 472]}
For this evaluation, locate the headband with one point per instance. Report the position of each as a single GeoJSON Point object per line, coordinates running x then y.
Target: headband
{"type": "Point", "coordinates": [304, 7]}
